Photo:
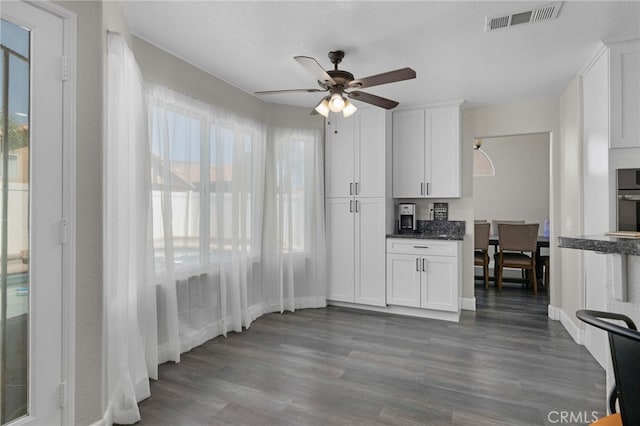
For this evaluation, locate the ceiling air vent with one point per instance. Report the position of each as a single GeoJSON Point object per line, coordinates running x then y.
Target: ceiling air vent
{"type": "Point", "coordinates": [539, 14]}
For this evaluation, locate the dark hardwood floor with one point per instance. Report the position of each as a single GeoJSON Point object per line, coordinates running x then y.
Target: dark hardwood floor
{"type": "Point", "coordinates": [505, 364]}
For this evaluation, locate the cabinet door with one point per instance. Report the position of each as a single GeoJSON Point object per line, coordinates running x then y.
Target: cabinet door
{"type": "Point", "coordinates": [340, 249]}
{"type": "Point", "coordinates": [370, 251]}
{"type": "Point", "coordinates": [408, 154]}
{"type": "Point", "coordinates": [403, 280]}
{"type": "Point", "coordinates": [439, 283]}
{"type": "Point", "coordinates": [625, 95]}
{"type": "Point", "coordinates": [340, 157]}
{"type": "Point", "coordinates": [442, 152]}
{"type": "Point", "coordinates": [370, 153]}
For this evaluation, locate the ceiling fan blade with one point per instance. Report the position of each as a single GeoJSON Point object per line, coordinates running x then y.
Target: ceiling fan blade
{"type": "Point", "coordinates": [373, 100]}
{"type": "Point", "coordinates": [273, 92]}
{"type": "Point", "coordinates": [384, 78]}
{"type": "Point", "coordinates": [311, 65]}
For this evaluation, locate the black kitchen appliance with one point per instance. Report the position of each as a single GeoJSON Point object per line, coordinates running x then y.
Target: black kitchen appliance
{"type": "Point", "coordinates": [406, 217]}
{"type": "Point", "coordinates": [628, 200]}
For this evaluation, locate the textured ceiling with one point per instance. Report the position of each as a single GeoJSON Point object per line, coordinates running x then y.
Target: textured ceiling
{"type": "Point", "coordinates": [251, 44]}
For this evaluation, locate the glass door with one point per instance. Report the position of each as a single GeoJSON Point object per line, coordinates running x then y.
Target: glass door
{"type": "Point", "coordinates": [31, 99]}
{"type": "Point", "coordinates": [14, 224]}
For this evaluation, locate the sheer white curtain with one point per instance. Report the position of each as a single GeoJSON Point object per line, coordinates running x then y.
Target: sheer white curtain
{"type": "Point", "coordinates": [208, 185]}
{"type": "Point", "coordinates": [129, 283]}
{"type": "Point", "coordinates": [238, 220]}
{"type": "Point", "coordinates": [293, 260]}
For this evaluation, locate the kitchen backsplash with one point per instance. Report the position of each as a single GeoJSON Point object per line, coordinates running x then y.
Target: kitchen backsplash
{"type": "Point", "coordinates": [441, 227]}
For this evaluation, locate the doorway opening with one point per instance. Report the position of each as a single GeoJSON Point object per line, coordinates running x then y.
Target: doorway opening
{"type": "Point", "coordinates": [519, 191]}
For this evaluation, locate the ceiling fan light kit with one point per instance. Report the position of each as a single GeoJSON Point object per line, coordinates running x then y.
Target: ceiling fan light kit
{"type": "Point", "coordinates": [323, 107]}
{"type": "Point", "coordinates": [349, 108]}
{"type": "Point", "coordinates": [337, 82]}
{"type": "Point", "coordinates": [336, 104]}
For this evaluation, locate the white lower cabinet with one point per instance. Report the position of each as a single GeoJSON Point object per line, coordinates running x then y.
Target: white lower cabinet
{"type": "Point", "coordinates": [424, 274]}
{"type": "Point", "coordinates": [356, 250]}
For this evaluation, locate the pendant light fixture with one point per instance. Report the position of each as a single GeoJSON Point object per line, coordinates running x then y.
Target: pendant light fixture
{"type": "Point", "coordinates": [482, 164]}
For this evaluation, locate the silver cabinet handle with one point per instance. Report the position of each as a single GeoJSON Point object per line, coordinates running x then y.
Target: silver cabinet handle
{"type": "Point", "coordinates": [350, 206]}
{"type": "Point", "coordinates": [357, 204]}
{"type": "Point", "coordinates": [427, 188]}
{"type": "Point", "coordinates": [417, 264]}
{"type": "Point", "coordinates": [350, 188]}
{"type": "Point", "coordinates": [357, 192]}
{"type": "Point", "coordinates": [423, 267]}
{"type": "Point", "coordinates": [421, 188]}
{"type": "Point", "coordinates": [420, 246]}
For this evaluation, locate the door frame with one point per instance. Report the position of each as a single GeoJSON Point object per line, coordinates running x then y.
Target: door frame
{"type": "Point", "coordinates": [68, 228]}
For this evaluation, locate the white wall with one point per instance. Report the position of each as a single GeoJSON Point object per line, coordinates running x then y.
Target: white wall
{"type": "Point", "coordinates": [570, 206]}
{"type": "Point", "coordinates": [520, 187]}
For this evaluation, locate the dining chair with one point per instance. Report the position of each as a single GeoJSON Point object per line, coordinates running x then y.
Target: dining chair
{"type": "Point", "coordinates": [514, 242]}
{"type": "Point", "coordinates": [494, 224]}
{"type": "Point", "coordinates": [624, 344]}
{"type": "Point", "coordinates": [481, 249]}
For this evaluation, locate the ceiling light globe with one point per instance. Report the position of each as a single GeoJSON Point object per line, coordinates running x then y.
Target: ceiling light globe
{"type": "Point", "coordinates": [336, 104]}
{"type": "Point", "coordinates": [323, 108]}
{"type": "Point", "coordinates": [349, 109]}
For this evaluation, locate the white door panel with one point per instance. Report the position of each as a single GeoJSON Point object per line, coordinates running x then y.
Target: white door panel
{"type": "Point", "coordinates": [340, 249]}
{"type": "Point", "coordinates": [408, 154]}
{"type": "Point", "coordinates": [403, 280]}
{"type": "Point", "coordinates": [340, 154]}
{"type": "Point", "coordinates": [370, 163]}
{"type": "Point", "coordinates": [370, 252]}
{"type": "Point", "coordinates": [439, 283]}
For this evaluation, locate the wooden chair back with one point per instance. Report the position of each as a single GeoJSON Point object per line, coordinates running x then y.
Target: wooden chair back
{"type": "Point", "coordinates": [518, 237]}
{"type": "Point", "coordinates": [494, 224]}
{"type": "Point", "coordinates": [481, 236]}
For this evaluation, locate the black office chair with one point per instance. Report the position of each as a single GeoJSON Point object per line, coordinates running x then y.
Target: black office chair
{"type": "Point", "coordinates": [625, 354]}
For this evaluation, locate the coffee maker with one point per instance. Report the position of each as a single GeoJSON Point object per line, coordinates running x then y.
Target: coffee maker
{"type": "Point", "coordinates": [406, 217]}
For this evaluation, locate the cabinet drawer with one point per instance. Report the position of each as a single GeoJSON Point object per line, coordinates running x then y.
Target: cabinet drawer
{"type": "Point", "coordinates": [422, 247]}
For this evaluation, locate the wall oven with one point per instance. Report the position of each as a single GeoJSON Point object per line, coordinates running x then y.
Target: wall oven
{"type": "Point", "coordinates": [628, 200]}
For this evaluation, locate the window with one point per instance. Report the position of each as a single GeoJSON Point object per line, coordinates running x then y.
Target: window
{"type": "Point", "coordinates": [176, 185]}
{"type": "Point", "coordinates": [204, 183]}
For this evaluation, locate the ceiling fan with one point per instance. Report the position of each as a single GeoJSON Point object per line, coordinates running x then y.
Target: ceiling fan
{"type": "Point", "coordinates": [340, 83]}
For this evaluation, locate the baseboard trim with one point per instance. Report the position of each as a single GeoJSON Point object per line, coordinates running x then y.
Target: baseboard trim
{"type": "Point", "coordinates": [402, 310]}
{"type": "Point", "coordinates": [553, 313]}
{"type": "Point", "coordinates": [468, 303]}
{"type": "Point", "coordinates": [574, 331]}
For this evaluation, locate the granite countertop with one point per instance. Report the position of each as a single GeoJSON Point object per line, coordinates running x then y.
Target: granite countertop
{"type": "Point", "coordinates": [602, 244]}
{"type": "Point", "coordinates": [453, 230]}
{"type": "Point", "coordinates": [427, 236]}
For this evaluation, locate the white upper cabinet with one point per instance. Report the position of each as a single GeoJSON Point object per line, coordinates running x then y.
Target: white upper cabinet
{"type": "Point", "coordinates": [625, 95]}
{"type": "Point", "coordinates": [426, 153]}
{"type": "Point", "coordinates": [340, 153]}
{"type": "Point", "coordinates": [408, 153]}
{"type": "Point", "coordinates": [355, 154]}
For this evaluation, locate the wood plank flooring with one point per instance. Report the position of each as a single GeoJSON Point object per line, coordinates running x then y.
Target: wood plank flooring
{"type": "Point", "coordinates": [505, 364]}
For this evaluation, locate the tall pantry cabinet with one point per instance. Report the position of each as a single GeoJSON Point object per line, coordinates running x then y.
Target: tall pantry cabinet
{"type": "Point", "coordinates": [358, 203]}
